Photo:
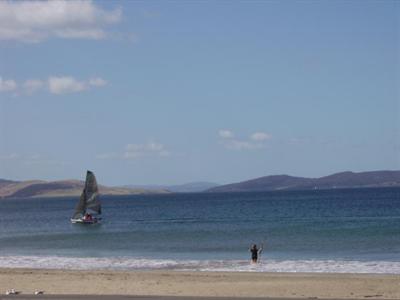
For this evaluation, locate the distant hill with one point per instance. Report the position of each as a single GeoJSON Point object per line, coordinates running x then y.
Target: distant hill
{"type": "Point", "coordinates": [4, 182]}
{"type": "Point", "coordinates": [40, 188]}
{"type": "Point", "coordinates": [191, 187]}
{"type": "Point", "coordinates": [339, 180]}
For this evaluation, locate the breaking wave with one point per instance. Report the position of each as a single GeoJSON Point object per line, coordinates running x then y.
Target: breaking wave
{"type": "Point", "coordinates": [129, 263]}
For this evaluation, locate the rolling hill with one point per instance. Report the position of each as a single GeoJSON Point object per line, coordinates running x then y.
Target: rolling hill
{"type": "Point", "coordinates": [191, 187]}
{"type": "Point", "coordinates": [40, 188]}
{"type": "Point", "coordinates": [338, 180]}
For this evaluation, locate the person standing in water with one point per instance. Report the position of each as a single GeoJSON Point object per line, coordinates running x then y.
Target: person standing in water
{"type": "Point", "coordinates": [255, 252]}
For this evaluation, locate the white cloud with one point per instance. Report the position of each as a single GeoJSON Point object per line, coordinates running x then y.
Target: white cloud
{"type": "Point", "coordinates": [97, 81]}
{"type": "Point", "coordinates": [255, 141]}
{"type": "Point", "coordinates": [54, 84]}
{"type": "Point", "coordinates": [242, 145]}
{"type": "Point", "coordinates": [134, 151]}
{"type": "Point", "coordinates": [148, 149]}
{"type": "Point", "coordinates": [34, 159]}
{"type": "Point", "coordinates": [236, 144]}
{"type": "Point", "coordinates": [65, 84]}
{"type": "Point", "coordinates": [260, 136]}
{"type": "Point", "coordinates": [225, 134]}
{"type": "Point", "coordinates": [45, 162]}
{"type": "Point", "coordinates": [35, 21]}
{"type": "Point", "coordinates": [164, 153]}
{"type": "Point", "coordinates": [106, 156]}
{"type": "Point", "coordinates": [7, 85]}
{"type": "Point", "coordinates": [296, 141]}
{"type": "Point", "coordinates": [9, 156]}
{"type": "Point", "coordinates": [33, 85]}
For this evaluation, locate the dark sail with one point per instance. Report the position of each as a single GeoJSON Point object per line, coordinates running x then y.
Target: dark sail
{"type": "Point", "coordinates": [80, 207]}
{"type": "Point", "coordinates": [92, 193]}
{"type": "Point", "coordinates": [89, 198]}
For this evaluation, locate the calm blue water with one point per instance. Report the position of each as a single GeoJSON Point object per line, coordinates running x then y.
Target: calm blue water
{"type": "Point", "coordinates": [206, 231]}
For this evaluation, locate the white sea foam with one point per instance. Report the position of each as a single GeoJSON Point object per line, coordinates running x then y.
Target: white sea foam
{"type": "Point", "coordinates": [129, 263]}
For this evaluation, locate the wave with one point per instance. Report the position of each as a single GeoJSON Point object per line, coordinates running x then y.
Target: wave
{"type": "Point", "coordinates": [129, 263]}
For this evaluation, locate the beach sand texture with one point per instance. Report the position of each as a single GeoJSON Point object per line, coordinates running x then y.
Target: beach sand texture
{"type": "Point", "coordinates": [209, 284]}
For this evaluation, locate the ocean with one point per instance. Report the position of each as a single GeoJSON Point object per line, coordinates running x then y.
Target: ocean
{"type": "Point", "coordinates": [345, 231]}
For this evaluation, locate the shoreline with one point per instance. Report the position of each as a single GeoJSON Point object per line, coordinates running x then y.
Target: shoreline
{"type": "Point", "coordinates": [201, 284]}
{"type": "Point", "coordinates": [126, 263]}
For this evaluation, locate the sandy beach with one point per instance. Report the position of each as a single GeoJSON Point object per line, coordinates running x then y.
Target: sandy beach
{"type": "Point", "coordinates": [206, 284]}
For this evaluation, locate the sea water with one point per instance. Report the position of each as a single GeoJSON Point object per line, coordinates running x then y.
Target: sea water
{"type": "Point", "coordinates": [349, 231]}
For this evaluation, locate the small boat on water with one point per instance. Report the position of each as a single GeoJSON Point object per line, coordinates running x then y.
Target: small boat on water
{"type": "Point", "coordinates": [88, 209]}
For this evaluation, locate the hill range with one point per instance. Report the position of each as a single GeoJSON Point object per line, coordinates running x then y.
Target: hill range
{"type": "Point", "coordinates": [191, 187]}
{"type": "Point", "coordinates": [335, 181]}
{"type": "Point", "coordinates": [41, 188]}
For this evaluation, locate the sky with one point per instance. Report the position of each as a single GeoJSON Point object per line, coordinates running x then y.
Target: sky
{"type": "Point", "coordinates": [169, 92]}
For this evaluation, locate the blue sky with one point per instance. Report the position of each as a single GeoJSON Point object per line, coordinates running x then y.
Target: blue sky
{"type": "Point", "coordinates": [167, 92]}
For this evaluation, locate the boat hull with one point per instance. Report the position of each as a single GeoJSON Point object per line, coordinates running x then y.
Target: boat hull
{"type": "Point", "coordinates": [85, 222]}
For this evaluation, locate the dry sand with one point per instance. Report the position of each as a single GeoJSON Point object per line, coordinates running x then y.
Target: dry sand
{"type": "Point", "coordinates": [228, 284]}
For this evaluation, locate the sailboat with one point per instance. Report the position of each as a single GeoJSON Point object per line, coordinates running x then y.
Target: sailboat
{"type": "Point", "coordinates": [88, 209]}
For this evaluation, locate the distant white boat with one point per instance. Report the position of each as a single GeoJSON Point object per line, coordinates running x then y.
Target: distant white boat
{"type": "Point", "coordinates": [88, 209]}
